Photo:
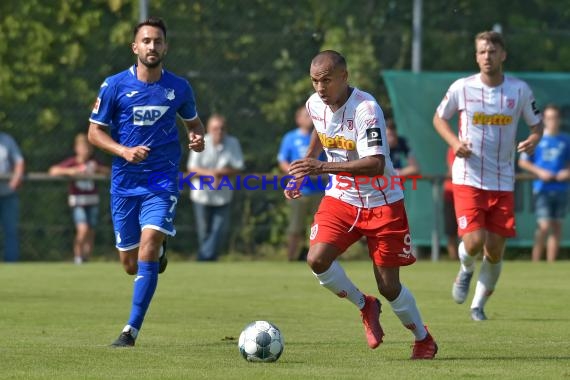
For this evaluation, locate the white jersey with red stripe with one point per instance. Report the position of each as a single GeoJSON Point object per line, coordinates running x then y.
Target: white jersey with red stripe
{"type": "Point", "coordinates": [355, 130]}
{"type": "Point", "coordinates": [488, 121]}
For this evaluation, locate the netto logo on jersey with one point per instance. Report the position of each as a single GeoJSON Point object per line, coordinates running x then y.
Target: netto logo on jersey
{"type": "Point", "coordinates": [337, 142]}
{"type": "Point", "coordinates": [148, 115]}
{"type": "Point", "coordinates": [481, 118]}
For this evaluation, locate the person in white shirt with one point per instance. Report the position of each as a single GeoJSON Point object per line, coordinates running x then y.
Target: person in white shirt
{"type": "Point", "coordinates": [221, 159]}
{"type": "Point", "coordinates": [349, 126]}
{"type": "Point", "coordinates": [490, 105]}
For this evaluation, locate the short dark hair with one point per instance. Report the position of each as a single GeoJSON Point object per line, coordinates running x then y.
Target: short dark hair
{"type": "Point", "coordinates": [334, 56]}
{"type": "Point", "coordinates": [157, 22]}
{"type": "Point", "coordinates": [491, 36]}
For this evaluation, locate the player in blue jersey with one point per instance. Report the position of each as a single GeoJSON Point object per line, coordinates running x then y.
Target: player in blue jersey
{"type": "Point", "coordinates": [550, 162]}
{"type": "Point", "coordinates": [134, 118]}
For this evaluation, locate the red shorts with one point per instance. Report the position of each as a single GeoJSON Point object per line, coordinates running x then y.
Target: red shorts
{"type": "Point", "coordinates": [385, 227]}
{"type": "Point", "coordinates": [478, 209]}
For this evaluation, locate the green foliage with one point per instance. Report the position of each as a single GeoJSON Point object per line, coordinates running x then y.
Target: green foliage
{"type": "Point", "coordinates": [246, 59]}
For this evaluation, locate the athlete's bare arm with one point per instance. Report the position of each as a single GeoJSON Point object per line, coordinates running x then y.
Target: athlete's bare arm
{"type": "Point", "coordinates": [532, 140]}
{"type": "Point", "coordinates": [368, 166]}
{"type": "Point", "coordinates": [99, 137]}
{"type": "Point", "coordinates": [196, 133]}
{"type": "Point", "coordinates": [315, 146]}
{"type": "Point", "coordinates": [460, 148]}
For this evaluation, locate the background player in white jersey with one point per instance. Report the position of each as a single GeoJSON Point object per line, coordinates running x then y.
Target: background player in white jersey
{"type": "Point", "coordinates": [349, 125]}
{"type": "Point", "coordinates": [134, 119]}
{"type": "Point", "coordinates": [490, 105]}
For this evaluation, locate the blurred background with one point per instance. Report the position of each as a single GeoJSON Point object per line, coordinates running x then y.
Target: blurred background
{"type": "Point", "coordinates": [249, 61]}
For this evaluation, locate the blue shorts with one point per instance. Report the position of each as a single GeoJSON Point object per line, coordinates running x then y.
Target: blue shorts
{"type": "Point", "coordinates": [85, 215]}
{"type": "Point", "coordinates": [131, 215]}
{"type": "Point", "coordinates": [550, 205]}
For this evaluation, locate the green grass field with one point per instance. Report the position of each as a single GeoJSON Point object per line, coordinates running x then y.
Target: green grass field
{"type": "Point", "coordinates": [57, 320]}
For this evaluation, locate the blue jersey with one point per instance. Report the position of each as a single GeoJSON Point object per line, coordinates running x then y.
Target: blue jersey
{"type": "Point", "coordinates": [140, 113]}
{"type": "Point", "coordinates": [553, 154]}
{"type": "Point", "coordinates": [294, 147]}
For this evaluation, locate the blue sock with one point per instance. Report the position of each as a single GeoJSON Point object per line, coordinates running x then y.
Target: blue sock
{"type": "Point", "coordinates": [145, 285]}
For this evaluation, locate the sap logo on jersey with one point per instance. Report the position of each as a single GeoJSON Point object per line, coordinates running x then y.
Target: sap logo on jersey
{"type": "Point", "coordinates": [148, 115]}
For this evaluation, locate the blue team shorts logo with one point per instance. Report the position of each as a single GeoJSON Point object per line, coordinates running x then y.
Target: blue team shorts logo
{"type": "Point", "coordinates": [148, 115]}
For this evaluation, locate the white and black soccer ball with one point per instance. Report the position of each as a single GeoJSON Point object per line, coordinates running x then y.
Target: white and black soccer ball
{"type": "Point", "coordinates": [261, 341]}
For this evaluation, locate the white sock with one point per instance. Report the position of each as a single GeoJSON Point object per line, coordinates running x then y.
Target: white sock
{"type": "Point", "coordinates": [405, 308]}
{"type": "Point", "coordinates": [134, 332]}
{"type": "Point", "coordinates": [467, 262]}
{"type": "Point", "coordinates": [488, 277]}
{"type": "Point", "coordinates": [335, 280]}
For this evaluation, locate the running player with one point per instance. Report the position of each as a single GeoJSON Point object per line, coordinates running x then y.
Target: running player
{"type": "Point", "coordinates": [490, 105]}
{"type": "Point", "coordinates": [349, 125]}
{"type": "Point", "coordinates": [134, 119]}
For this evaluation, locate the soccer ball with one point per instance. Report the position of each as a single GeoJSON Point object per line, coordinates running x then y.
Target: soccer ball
{"type": "Point", "coordinates": [261, 341]}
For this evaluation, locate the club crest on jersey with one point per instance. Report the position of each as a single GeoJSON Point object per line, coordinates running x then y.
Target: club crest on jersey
{"type": "Point", "coordinates": [350, 124]}
{"type": "Point", "coordinates": [148, 115]}
{"type": "Point", "coordinates": [169, 93]}
{"type": "Point", "coordinates": [510, 103]}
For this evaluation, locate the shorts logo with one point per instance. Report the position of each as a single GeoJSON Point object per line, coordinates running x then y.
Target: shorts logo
{"type": "Point", "coordinates": [118, 237]}
{"type": "Point", "coordinates": [462, 222]}
{"type": "Point", "coordinates": [342, 294]}
{"type": "Point", "coordinates": [314, 231]}
{"type": "Point", "coordinates": [374, 137]}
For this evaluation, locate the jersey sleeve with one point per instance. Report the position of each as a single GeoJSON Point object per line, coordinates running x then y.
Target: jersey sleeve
{"type": "Point", "coordinates": [530, 111]}
{"type": "Point", "coordinates": [102, 112]}
{"type": "Point", "coordinates": [187, 110]}
{"type": "Point", "coordinates": [14, 152]}
{"type": "Point", "coordinates": [450, 103]}
{"type": "Point", "coordinates": [371, 130]}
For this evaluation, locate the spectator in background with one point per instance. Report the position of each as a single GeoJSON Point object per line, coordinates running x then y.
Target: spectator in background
{"type": "Point", "coordinates": [401, 155]}
{"type": "Point", "coordinates": [11, 164]}
{"type": "Point", "coordinates": [83, 195]}
{"type": "Point", "coordinates": [222, 158]}
{"type": "Point", "coordinates": [449, 221]}
{"type": "Point", "coordinates": [294, 146]}
{"type": "Point", "coordinates": [551, 164]}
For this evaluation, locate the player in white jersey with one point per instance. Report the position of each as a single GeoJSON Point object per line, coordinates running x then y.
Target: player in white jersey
{"type": "Point", "coordinates": [490, 105]}
{"type": "Point", "coordinates": [349, 125]}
